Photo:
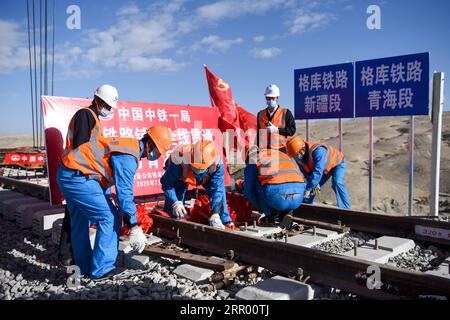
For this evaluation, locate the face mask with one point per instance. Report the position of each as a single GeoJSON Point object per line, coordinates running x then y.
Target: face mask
{"type": "Point", "coordinates": [153, 155]}
{"type": "Point", "coordinates": [199, 171]}
{"type": "Point", "coordinates": [104, 112]}
{"type": "Point", "coordinates": [272, 104]}
{"type": "Point", "coordinates": [299, 157]}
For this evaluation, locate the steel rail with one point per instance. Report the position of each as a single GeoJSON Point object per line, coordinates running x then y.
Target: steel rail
{"type": "Point", "coordinates": [416, 228]}
{"type": "Point", "coordinates": [33, 189]}
{"type": "Point", "coordinates": [345, 273]}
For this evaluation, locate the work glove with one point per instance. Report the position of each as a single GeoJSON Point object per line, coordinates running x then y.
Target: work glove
{"type": "Point", "coordinates": [137, 239]}
{"type": "Point", "coordinates": [272, 128]}
{"type": "Point", "coordinates": [315, 190]}
{"type": "Point", "coordinates": [307, 194]}
{"type": "Point", "coordinates": [178, 209]}
{"type": "Point", "coordinates": [215, 221]}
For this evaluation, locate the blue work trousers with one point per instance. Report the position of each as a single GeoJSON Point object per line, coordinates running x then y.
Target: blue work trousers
{"type": "Point", "coordinates": [337, 184]}
{"type": "Point", "coordinates": [88, 204]}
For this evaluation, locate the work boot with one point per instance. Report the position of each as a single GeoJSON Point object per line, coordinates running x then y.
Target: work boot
{"type": "Point", "coordinates": [66, 261]}
{"type": "Point", "coordinates": [286, 222]}
{"type": "Point", "coordinates": [109, 275]}
{"type": "Point", "coordinates": [65, 255]}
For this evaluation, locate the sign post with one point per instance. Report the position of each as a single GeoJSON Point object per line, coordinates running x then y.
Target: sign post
{"type": "Point", "coordinates": [370, 162]}
{"type": "Point", "coordinates": [438, 106]}
{"type": "Point", "coordinates": [307, 130]}
{"type": "Point", "coordinates": [411, 166]}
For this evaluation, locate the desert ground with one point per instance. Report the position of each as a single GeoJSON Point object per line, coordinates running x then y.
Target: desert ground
{"type": "Point", "coordinates": [391, 162]}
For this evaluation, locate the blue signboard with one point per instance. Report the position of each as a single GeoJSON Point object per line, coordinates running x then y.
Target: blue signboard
{"type": "Point", "coordinates": [324, 92]}
{"type": "Point", "coordinates": [393, 86]}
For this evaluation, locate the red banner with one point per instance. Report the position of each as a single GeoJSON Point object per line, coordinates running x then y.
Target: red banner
{"type": "Point", "coordinates": [241, 123]}
{"type": "Point", "coordinates": [188, 124]}
{"type": "Point", "coordinates": [25, 159]}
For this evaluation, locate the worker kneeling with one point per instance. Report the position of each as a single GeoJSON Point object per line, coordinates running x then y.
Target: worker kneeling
{"type": "Point", "coordinates": [197, 165]}
{"type": "Point", "coordinates": [273, 183]}
{"type": "Point", "coordinates": [319, 163]}
{"type": "Point", "coordinates": [85, 177]}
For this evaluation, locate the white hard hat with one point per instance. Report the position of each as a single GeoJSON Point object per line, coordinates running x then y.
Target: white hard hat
{"type": "Point", "coordinates": [272, 91]}
{"type": "Point", "coordinates": [108, 94]}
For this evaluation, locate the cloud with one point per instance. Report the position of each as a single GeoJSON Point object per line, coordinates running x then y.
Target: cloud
{"type": "Point", "coordinates": [265, 53]}
{"type": "Point", "coordinates": [139, 38]}
{"type": "Point", "coordinates": [214, 44]}
{"type": "Point", "coordinates": [309, 21]}
{"type": "Point", "coordinates": [147, 64]}
{"type": "Point", "coordinates": [258, 39]}
{"type": "Point", "coordinates": [145, 38]}
{"type": "Point", "coordinates": [13, 51]}
{"type": "Point", "coordinates": [234, 8]}
{"type": "Point", "coordinates": [129, 9]}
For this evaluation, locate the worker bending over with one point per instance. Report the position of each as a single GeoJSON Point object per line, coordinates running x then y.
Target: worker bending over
{"type": "Point", "coordinates": [319, 162]}
{"type": "Point", "coordinates": [273, 183]}
{"type": "Point", "coordinates": [85, 177]}
{"type": "Point", "coordinates": [84, 126]}
{"type": "Point", "coordinates": [196, 165]}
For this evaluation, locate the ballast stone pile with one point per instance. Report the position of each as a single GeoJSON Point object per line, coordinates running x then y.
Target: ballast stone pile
{"type": "Point", "coordinates": [345, 243]}
{"type": "Point", "coordinates": [419, 258]}
{"type": "Point", "coordinates": [29, 270]}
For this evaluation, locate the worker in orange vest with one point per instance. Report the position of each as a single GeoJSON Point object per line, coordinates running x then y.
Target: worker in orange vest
{"type": "Point", "coordinates": [196, 165]}
{"type": "Point", "coordinates": [85, 177]}
{"type": "Point", "coordinates": [319, 163]}
{"type": "Point", "coordinates": [84, 126]}
{"type": "Point", "coordinates": [275, 123]}
{"type": "Point", "coordinates": [273, 183]}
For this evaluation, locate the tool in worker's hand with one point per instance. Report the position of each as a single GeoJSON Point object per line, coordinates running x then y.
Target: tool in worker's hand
{"type": "Point", "coordinates": [286, 222]}
{"type": "Point", "coordinates": [239, 185]}
{"type": "Point", "coordinates": [262, 216]}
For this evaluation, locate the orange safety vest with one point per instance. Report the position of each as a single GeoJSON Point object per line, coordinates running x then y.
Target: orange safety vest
{"type": "Point", "coordinates": [276, 167]}
{"type": "Point", "coordinates": [272, 140]}
{"type": "Point", "coordinates": [96, 131]}
{"type": "Point", "coordinates": [187, 175]}
{"type": "Point", "coordinates": [92, 157]}
{"type": "Point", "coordinates": [333, 158]}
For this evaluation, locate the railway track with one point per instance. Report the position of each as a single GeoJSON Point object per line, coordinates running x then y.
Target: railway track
{"type": "Point", "coordinates": [348, 274]}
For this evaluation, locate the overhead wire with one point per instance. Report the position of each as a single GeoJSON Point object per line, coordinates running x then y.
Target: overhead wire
{"type": "Point", "coordinates": [53, 48]}
{"type": "Point", "coordinates": [35, 72]}
{"type": "Point", "coordinates": [31, 73]}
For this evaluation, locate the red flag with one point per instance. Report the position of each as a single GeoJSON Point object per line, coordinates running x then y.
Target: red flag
{"type": "Point", "coordinates": [233, 116]}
